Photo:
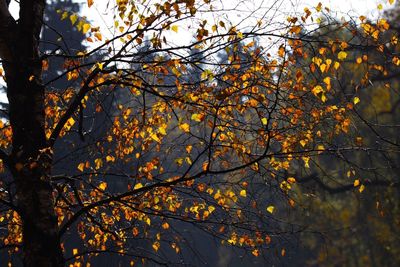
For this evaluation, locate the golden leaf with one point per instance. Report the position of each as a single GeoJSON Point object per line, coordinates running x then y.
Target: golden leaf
{"type": "Point", "coordinates": [98, 36]}
{"type": "Point", "coordinates": [342, 55]}
{"type": "Point", "coordinates": [336, 65]}
{"type": "Point", "coordinates": [110, 158]}
{"type": "Point", "coordinates": [264, 121]}
{"type": "Point", "coordinates": [318, 7]}
{"type": "Point", "coordinates": [243, 193]}
{"type": "Point", "coordinates": [165, 225]}
{"type": "Point", "coordinates": [197, 117]}
{"type": "Point", "coordinates": [291, 180]}
{"type": "Point", "coordinates": [81, 166]}
{"type": "Point", "coordinates": [85, 28]}
{"type": "Point", "coordinates": [156, 246]}
{"type": "Point", "coordinates": [255, 252]}
{"type": "Point", "coordinates": [137, 186]}
{"type": "Point", "coordinates": [73, 18]}
{"type": "Point", "coordinates": [184, 127]}
{"type": "Point", "coordinates": [174, 28]}
{"type": "Point", "coordinates": [103, 186]}
{"type": "Point", "coordinates": [155, 137]}
{"type": "Point", "coordinates": [361, 189]}
{"type": "Point", "coordinates": [270, 209]}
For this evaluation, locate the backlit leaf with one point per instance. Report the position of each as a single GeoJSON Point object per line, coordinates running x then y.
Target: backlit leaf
{"type": "Point", "coordinates": [174, 28]}
{"type": "Point", "coordinates": [342, 55]}
{"type": "Point", "coordinates": [270, 209]}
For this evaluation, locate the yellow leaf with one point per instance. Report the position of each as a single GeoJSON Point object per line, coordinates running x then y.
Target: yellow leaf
{"type": "Point", "coordinates": [255, 252]}
{"type": "Point", "coordinates": [396, 61]}
{"type": "Point", "coordinates": [103, 186]}
{"type": "Point", "coordinates": [98, 36]}
{"type": "Point", "coordinates": [361, 189]}
{"type": "Point", "coordinates": [356, 183]}
{"type": "Point", "coordinates": [156, 246]}
{"type": "Point", "coordinates": [85, 28]}
{"type": "Point", "coordinates": [81, 166]}
{"type": "Point", "coordinates": [64, 15]}
{"type": "Point", "coordinates": [74, 251]}
{"type": "Point", "coordinates": [184, 127]}
{"type": "Point", "coordinates": [243, 193]}
{"type": "Point", "coordinates": [197, 117]}
{"type": "Point", "coordinates": [188, 160]}
{"type": "Point", "coordinates": [70, 122]}
{"type": "Point", "coordinates": [137, 186]}
{"type": "Point", "coordinates": [327, 81]}
{"type": "Point", "coordinates": [356, 100]}
{"type": "Point", "coordinates": [336, 65]}
{"type": "Point", "coordinates": [73, 18]}
{"type": "Point", "coordinates": [291, 180]}
{"type": "Point", "coordinates": [270, 209]}
{"type": "Point", "coordinates": [179, 161]}
{"type": "Point", "coordinates": [162, 131]}
{"type": "Point", "coordinates": [359, 60]}
{"type": "Point", "coordinates": [90, 2]}
{"type": "Point", "coordinates": [303, 143]}
{"type": "Point", "coordinates": [100, 65]}
{"type": "Point", "coordinates": [98, 163]}
{"type": "Point", "coordinates": [342, 55]}
{"type": "Point", "coordinates": [320, 147]}
{"type": "Point", "coordinates": [110, 158]}
{"type": "Point", "coordinates": [391, 2]}
{"type": "Point", "coordinates": [285, 186]}
{"type": "Point", "coordinates": [174, 28]}
{"type": "Point", "coordinates": [155, 138]}
{"type": "Point", "coordinates": [306, 162]}
{"type": "Point", "coordinates": [264, 121]}
{"type": "Point", "coordinates": [318, 7]}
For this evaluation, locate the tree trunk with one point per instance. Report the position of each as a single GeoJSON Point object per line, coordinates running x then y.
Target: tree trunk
{"type": "Point", "coordinates": [31, 157]}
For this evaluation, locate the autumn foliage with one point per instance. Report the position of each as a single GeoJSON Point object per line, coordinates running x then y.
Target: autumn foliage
{"type": "Point", "coordinates": [154, 133]}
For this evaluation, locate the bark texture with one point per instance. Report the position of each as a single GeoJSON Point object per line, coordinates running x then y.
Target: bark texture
{"type": "Point", "coordinates": [30, 156]}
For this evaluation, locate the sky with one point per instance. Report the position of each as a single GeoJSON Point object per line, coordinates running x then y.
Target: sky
{"type": "Point", "coordinates": [280, 11]}
{"type": "Point", "coordinates": [99, 16]}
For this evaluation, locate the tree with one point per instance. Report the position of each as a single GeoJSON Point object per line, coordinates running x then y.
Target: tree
{"type": "Point", "coordinates": [221, 153]}
{"type": "Point", "coordinates": [353, 205]}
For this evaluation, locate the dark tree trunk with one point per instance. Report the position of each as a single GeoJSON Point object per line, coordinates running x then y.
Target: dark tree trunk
{"type": "Point", "coordinates": [31, 157]}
